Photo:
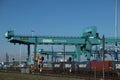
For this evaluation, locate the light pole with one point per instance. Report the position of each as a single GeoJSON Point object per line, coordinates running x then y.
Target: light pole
{"type": "Point", "coordinates": [20, 55]}
{"type": "Point", "coordinates": [103, 50]}
{"type": "Point", "coordinates": [116, 28]}
{"type": "Point", "coordinates": [32, 31]}
{"type": "Point", "coordinates": [32, 49]}
{"type": "Point", "coordinates": [64, 57]}
{"type": "Point", "coordinates": [64, 52]}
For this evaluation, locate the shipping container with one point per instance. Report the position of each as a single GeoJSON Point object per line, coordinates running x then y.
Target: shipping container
{"type": "Point", "coordinates": [98, 66]}
{"type": "Point", "coordinates": [70, 66]}
{"type": "Point", "coordinates": [83, 66]}
{"type": "Point", "coordinates": [65, 66]}
{"type": "Point", "coordinates": [58, 66]}
{"type": "Point", "coordinates": [74, 66]}
{"type": "Point", "coordinates": [115, 68]}
{"type": "Point", "coordinates": [115, 65]}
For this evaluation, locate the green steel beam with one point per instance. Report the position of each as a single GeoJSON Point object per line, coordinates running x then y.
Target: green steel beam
{"type": "Point", "coordinates": [58, 52]}
{"type": "Point", "coordinates": [52, 40]}
{"type": "Point", "coordinates": [47, 40]}
{"type": "Point", "coordinates": [112, 40]}
{"type": "Point", "coordinates": [78, 52]}
{"type": "Point", "coordinates": [89, 38]}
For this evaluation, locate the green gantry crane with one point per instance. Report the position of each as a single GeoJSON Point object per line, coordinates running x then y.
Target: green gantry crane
{"type": "Point", "coordinates": [84, 43]}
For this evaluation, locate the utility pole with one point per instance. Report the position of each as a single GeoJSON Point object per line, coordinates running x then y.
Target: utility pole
{"type": "Point", "coordinates": [103, 50]}
{"type": "Point", "coordinates": [116, 20]}
{"type": "Point", "coordinates": [116, 29]}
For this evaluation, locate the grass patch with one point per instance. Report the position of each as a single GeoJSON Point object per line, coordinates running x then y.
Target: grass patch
{"type": "Point", "coordinates": [20, 76]}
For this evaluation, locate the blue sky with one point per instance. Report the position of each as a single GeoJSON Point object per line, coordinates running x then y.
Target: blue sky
{"type": "Point", "coordinates": [54, 17]}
